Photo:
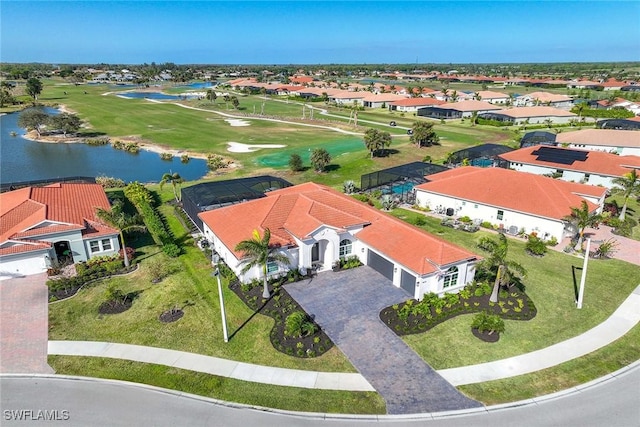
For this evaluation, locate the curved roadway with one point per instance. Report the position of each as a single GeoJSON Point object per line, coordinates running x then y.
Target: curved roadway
{"type": "Point", "coordinates": [613, 400]}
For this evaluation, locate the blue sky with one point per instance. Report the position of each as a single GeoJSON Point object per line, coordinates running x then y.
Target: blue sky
{"type": "Point", "coordinates": [318, 32]}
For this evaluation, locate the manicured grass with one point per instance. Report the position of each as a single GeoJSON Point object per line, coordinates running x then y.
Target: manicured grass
{"type": "Point", "coordinates": [601, 362]}
{"type": "Point", "coordinates": [549, 283]}
{"type": "Point", "coordinates": [231, 390]}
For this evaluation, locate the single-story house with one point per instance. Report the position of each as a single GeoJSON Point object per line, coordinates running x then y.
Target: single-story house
{"type": "Point", "coordinates": [412, 104]}
{"type": "Point", "coordinates": [531, 115]}
{"type": "Point", "coordinates": [381, 100]}
{"type": "Point", "coordinates": [544, 98]}
{"type": "Point", "coordinates": [622, 142]}
{"type": "Point", "coordinates": [508, 199]}
{"type": "Point", "coordinates": [457, 110]}
{"type": "Point", "coordinates": [315, 226]}
{"type": "Point", "coordinates": [347, 97]}
{"type": "Point", "coordinates": [41, 227]}
{"type": "Point", "coordinates": [493, 97]}
{"type": "Point", "coordinates": [587, 167]}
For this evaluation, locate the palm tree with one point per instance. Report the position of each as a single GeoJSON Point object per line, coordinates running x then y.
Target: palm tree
{"type": "Point", "coordinates": [506, 269]}
{"type": "Point", "coordinates": [175, 179]}
{"type": "Point", "coordinates": [582, 218]}
{"type": "Point", "coordinates": [118, 218]}
{"type": "Point", "coordinates": [629, 185]}
{"type": "Point", "coordinates": [212, 95]}
{"type": "Point", "coordinates": [258, 251]}
{"type": "Point", "coordinates": [375, 140]}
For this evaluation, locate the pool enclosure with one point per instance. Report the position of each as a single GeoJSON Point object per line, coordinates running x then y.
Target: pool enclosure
{"type": "Point", "coordinates": [216, 194]}
{"type": "Point", "coordinates": [484, 156]}
{"type": "Point", "coordinates": [399, 181]}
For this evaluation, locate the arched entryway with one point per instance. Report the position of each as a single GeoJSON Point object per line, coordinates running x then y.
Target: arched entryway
{"type": "Point", "coordinates": [63, 252]}
{"type": "Point", "coordinates": [321, 255]}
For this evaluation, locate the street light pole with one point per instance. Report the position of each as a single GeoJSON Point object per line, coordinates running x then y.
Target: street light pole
{"type": "Point", "coordinates": [215, 259]}
{"type": "Point", "coordinates": [584, 274]}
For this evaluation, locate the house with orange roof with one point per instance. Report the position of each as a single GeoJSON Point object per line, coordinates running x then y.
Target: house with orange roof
{"type": "Point", "coordinates": [622, 142]}
{"type": "Point", "coordinates": [509, 199]}
{"type": "Point", "coordinates": [587, 167]}
{"type": "Point", "coordinates": [381, 100]}
{"type": "Point", "coordinates": [347, 97]}
{"type": "Point", "coordinates": [532, 115]}
{"type": "Point", "coordinates": [457, 110]}
{"type": "Point", "coordinates": [413, 104]}
{"type": "Point", "coordinates": [315, 226]}
{"type": "Point", "coordinates": [41, 227]}
{"type": "Point", "coordinates": [492, 97]}
{"type": "Point", "coordinates": [544, 98]}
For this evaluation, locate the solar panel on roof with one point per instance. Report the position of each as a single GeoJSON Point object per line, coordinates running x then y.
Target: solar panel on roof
{"type": "Point", "coordinates": [560, 155]}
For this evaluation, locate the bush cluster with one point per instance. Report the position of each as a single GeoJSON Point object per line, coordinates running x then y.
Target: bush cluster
{"type": "Point", "coordinates": [143, 201]}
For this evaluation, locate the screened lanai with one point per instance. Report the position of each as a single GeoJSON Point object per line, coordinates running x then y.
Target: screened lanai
{"type": "Point", "coordinates": [399, 181]}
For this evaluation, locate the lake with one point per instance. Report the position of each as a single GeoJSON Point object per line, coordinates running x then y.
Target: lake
{"type": "Point", "coordinates": [25, 160]}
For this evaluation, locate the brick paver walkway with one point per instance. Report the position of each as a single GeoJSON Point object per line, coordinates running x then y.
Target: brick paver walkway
{"type": "Point", "coordinates": [24, 325]}
{"type": "Point", "coordinates": [347, 305]}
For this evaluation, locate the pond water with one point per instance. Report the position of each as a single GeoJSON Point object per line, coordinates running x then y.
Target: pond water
{"type": "Point", "coordinates": [25, 160]}
{"type": "Point", "coordinates": [154, 95]}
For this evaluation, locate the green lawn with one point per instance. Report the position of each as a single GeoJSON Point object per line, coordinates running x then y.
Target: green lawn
{"type": "Point", "coordinates": [549, 283]}
{"type": "Point", "coordinates": [231, 390]}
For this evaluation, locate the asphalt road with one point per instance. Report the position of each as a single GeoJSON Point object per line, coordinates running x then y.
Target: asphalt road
{"type": "Point", "coordinates": [83, 402]}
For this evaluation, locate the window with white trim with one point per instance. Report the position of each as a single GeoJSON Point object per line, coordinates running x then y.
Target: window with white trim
{"type": "Point", "coordinates": [450, 277]}
{"type": "Point", "coordinates": [272, 267]}
{"type": "Point", "coordinates": [345, 248]}
{"type": "Point", "coordinates": [100, 245]}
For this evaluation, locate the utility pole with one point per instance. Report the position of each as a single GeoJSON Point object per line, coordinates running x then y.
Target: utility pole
{"type": "Point", "coordinates": [584, 274]}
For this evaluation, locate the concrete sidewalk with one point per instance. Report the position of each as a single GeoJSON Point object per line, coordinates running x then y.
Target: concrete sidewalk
{"type": "Point", "coordinates": [617, 325]}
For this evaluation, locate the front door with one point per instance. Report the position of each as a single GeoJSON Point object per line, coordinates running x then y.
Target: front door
{"type": "Point", "coordinates": [63, 252]}
{"type": "Point", "coordinates": [315, 252]}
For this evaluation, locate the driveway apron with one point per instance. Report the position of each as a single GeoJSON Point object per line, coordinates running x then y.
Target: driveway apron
{"type": "Point", "coordinates": [24, 325]}
{"type": "Point", "coordinates": [347, 305]}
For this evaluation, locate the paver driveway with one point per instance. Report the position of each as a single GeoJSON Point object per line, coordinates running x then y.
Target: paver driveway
{"type": "Point", "coordinates": [347, 306]}
{"type": "Point", "coordinates": [24, 325]}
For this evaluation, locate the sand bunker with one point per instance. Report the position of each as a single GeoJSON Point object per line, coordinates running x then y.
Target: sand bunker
{"type": "Point", "coordinates": [237, 122]}
{"type": "Point", "coordinates": [238, 147]}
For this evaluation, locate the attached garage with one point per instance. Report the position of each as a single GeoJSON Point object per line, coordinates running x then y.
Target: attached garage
{"type": "Point", "coordinates": [379, 264]}
{"type": "Point", "coordinates": [408, 282]}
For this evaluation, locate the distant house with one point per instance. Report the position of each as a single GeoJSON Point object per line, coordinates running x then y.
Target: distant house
{"type": "Point", "coordinates": [381, 100]}
{"type": "Point", "coordinates": [46, 226]}
{"type": "Point", "coordinates": [622, 142]}
{"type": "Point", "coordinates": [346, 97]}
{"type": "Point", "coordinates": [508, 199]}
{"type": "Point", "coordinates": [493, 97]}
{"type": "Point", "coordinates": [531, 115]}
{"type": "Point", "coordinates": [315, 226]}
{"type": "Point", "coordinates": [588, 167]}
{"type": "Point", "coordinates": [413, 104]}
{"type": "Point", "coordinates": [457, 110]}
{"type": "Point", "coordinates": [544, 98]}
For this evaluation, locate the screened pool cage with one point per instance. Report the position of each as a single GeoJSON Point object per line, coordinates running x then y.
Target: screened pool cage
{"type": "Point", "coordinates": [216, 194]}
{"type": "Point", "coordinates": [484, 156]}
{"type": "Point", "coordinates": [399, 181]}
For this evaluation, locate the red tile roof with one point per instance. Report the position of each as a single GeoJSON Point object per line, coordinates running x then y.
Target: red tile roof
{"type": "Point", "coordinates": [300, 210]}
{"type": "Point", "coordinates": [538, 111]}
{"type": "Point", "coordinates": [62, 206]}
{"type": "Point", "coordinates": [12, 247]}
{"type": "Point", "coordinates": [597, 162]}
{"type": "Point", "coordinates": [604, 137]}
{"type": "Point", "coordinates": [470, 105]}
{"type": "Point", "coordinates": [416, 102]}
{"type": "Point", "coordinates": [518, 191]}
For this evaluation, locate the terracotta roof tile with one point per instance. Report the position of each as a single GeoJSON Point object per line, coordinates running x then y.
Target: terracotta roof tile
{"type": "Point", "coordinates": [301, 209]}
{"type": "Point", "coordinates": [597, 161]}
{"type": "Point", "coordinates": [12, 247]}
{"type": "Point", "coordinates": [604, 137]}
{"type": "Point", "coordinates": [523, 192]}
{"type": "Point", "coordinates": [537, 111]}
{"type": "Point", "coordinates": [470, 105]}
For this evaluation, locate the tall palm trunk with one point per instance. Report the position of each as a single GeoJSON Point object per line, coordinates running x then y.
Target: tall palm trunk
{"type": "Point", "coordinates": [623, 212]}
{"type": "Point", "coordinates": [496, 285]}
{"type": "Point", "coordinates": [265, 287]}
{"type": "Point", "coordinates": [124, 250]}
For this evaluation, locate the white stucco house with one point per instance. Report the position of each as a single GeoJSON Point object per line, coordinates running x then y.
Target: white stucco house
{"type": "Point", "coordinates": [622, 142]}
{"type": "Point", "coordinates": [587, 167]}
{"type": "Point", "coordinates": [315, 226]}
{"type": "Point", "coordinates": [42, 227]}
{"type": "Point", "coordinates": [531, 115]}
{"type": "Point", "coordinates": [544, 99]}
{"type": "Point", "coordinates": [509, 199]}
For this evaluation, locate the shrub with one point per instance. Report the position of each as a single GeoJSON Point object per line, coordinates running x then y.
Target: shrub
{"type": "Point", "coordinates": [166, 156]}
{"type": "Point", "coordinates": [552, 241]}
{"type": "Point", "coordinates": [486, 224]}
{"type": "Point", "coordinates": [606, 249]}
{"type": "Point", "coordinates": [299, 324]}
{"type": "Point", "coordinates": [349, 187]}
{"type": "Point", "coordinates": [110, 182]}
{"type": "Point", "coordinates": [295, 163]}
{"type": "Point", "coordinates": [388, 202]}
{"type": "Point", "coordinates": [172, 250]}
{"type": "Point", "coordinates": [535, 246]}
{"type": "Point", "coordinates": [142, 200]}
{"type": "Point", "coordinates": [420, 221]}
{"type": "Point", "coordinates": [184, 158]}
{"type": "Point", "coordinates": [485, 322]}
{"type": "Point", "coordinates": [465, 219]}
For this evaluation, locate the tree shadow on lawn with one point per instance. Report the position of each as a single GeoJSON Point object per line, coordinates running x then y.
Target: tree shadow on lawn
{"type": "Point", "coordinates": [331, 168]}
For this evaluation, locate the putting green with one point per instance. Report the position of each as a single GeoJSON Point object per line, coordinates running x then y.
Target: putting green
{"type": "Point", "coordinates": [280, 158]}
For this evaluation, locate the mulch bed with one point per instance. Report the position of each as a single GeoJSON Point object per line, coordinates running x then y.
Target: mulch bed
{"type": "Point", "coordinates": [278, 307]}
{"type": "Point", "coordinates": [75, 283]}
{"type": "Point", "coordinates": [115, 307]}
{"type": "Point", "coordinates": [171, 315]}
{"type": "Point", "coordinates": [485, 336]}
{"type": "Point", "coordinates": [512, 305]}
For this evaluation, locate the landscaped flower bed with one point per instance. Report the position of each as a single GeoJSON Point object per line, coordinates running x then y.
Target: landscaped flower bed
{"type": "Point", "coordinates": [279, 307]}
{"type": "Point", "coordinates": [412, 317]}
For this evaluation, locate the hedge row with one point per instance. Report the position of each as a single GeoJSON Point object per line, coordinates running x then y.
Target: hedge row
{"type": "Point", "coordinates": [143, 201]}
